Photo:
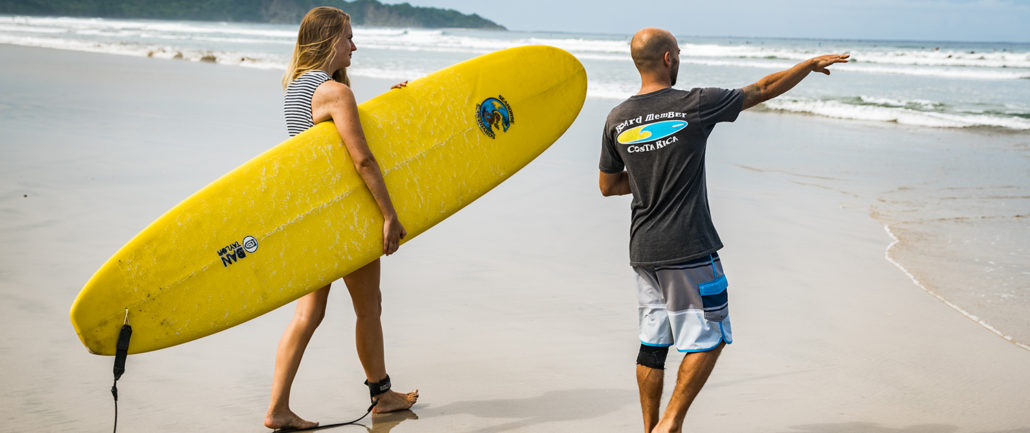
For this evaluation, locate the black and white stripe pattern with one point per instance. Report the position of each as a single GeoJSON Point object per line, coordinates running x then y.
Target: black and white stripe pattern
{"type": "Point", "coordinates": [297, 101]}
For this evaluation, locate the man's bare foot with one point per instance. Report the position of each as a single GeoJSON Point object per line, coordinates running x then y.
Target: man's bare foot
{"type": "Point", "coordinates": [665, 426]}
{"type": "Point", "coordinates": [287, 420]}
{"type": "Point", "coordinates": [390, 401]}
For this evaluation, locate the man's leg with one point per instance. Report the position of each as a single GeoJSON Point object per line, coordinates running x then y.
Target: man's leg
{"type": "Point", "coordinates": [650, 382]}
{"type": "Point", "coordinates": [655, 337]}
{"type": "Point", "coordinates": [693, 373]}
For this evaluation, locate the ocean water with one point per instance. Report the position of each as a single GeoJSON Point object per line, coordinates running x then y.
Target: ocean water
{"type": "Point", "coordinates": [931, 84]}
{"type": "Point", "coordinates": [956, 212]}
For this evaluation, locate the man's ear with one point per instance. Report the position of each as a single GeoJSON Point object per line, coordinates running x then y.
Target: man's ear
{"type": "Point", "coordinates": [667, 59]}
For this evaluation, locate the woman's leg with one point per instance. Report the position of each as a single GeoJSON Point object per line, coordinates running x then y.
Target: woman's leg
{"type": "Point", "coordinates": [363, 285]}
{"type": "Point", "coordinates": [310, 311]}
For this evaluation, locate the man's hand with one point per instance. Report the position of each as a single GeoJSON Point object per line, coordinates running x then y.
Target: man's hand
{"type": "Point", "coordinates": [614, 183]}
{"type": "Point", "coordinates": [819, 64]}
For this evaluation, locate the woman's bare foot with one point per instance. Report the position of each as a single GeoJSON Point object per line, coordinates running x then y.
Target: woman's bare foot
{"type": "Point", "coordinates": [287, 420]}
{"type": "Point", "coordinates": [390, 401]}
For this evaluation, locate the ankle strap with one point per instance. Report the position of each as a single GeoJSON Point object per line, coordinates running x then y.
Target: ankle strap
{"type": "Point", "coordinates": [376, 388]}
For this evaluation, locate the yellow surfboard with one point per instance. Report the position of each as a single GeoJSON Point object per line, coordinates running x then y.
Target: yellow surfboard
{"type": "Point", "coordinates": [298, 216]}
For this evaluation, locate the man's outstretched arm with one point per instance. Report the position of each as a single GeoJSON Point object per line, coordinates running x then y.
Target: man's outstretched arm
{"type": "Point", "coordinates": [774, 85]}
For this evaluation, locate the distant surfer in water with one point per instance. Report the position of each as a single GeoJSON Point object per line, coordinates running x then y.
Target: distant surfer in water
{"type": "Point", "coordinates": [653, 147]}
{"type": "Point", "coordinates": [317, 90]}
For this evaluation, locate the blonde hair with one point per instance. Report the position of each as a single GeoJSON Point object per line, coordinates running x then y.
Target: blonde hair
{"type": "Point", "coordinates": [319, 31]}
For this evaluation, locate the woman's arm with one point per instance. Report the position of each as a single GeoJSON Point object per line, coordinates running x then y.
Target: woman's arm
{"type": "Point", "coordinates": [335, 101]}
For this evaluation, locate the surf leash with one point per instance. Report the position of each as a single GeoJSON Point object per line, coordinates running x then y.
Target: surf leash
{"type": "Point", "coordinates": [374, 389]}
{"type": "Point", "coordinates": [339, 424]}
{"type": "Point", "coordinates": [122, 351]}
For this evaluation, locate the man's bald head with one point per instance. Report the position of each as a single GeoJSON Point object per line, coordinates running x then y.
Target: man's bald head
{"type": "Point", "coordinates": [649, 46]}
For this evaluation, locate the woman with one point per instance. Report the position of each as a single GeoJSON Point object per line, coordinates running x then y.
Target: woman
{"type": "Point", "coordinates": [317, 89]}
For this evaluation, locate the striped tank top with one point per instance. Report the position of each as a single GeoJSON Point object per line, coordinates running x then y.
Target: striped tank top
{"type": "Point", "coordinates": [297, 101]}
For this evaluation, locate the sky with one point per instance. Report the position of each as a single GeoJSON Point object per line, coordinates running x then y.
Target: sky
{"type": "Point", "coordinates": [929, 20]}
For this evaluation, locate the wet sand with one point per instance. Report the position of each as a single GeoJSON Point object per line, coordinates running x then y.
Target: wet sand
{"type": "Point", "coordinates": [515, 315]}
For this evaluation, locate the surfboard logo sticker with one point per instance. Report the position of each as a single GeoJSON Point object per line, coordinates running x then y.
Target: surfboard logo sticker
{"type": "Point", "coordinates": [494, 114]}
{"type": "Point", "coordinates": [651, 131]}
{"type": "Point", "coordinates": [250, 244]}
{"type": "Point", "coordinates": [237, 251]}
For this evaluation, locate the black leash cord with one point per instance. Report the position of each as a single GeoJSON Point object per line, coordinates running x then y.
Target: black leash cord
{"type": "Point", "coordinates": [374, 389]}
{"type": "Point", "coordinates": [339, 424]}
{"type": "Point", "coordinates": [121, 353]}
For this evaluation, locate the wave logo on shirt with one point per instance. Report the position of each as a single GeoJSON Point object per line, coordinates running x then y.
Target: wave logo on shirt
{"type": "Point", "coordinates": [651, 131]}
{"type": "Point", "coordinates": [494, 113]}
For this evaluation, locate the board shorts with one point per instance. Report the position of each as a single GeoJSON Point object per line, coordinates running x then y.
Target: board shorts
{"type": "Point", "coordinates": [685, 305]}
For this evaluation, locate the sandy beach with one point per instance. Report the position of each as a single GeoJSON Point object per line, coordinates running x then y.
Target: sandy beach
{"type": "Point", "coordinates": [518, 313]}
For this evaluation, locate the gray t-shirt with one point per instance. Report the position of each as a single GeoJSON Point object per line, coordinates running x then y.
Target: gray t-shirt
{"type": "Point", "coordinates": [659, 138]}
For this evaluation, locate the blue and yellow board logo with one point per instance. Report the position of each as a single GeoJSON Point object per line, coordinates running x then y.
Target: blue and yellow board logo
{"type": "Point", "coordinates": [651, 131]}
{"type": "Point", "coordinates": [494, 114]}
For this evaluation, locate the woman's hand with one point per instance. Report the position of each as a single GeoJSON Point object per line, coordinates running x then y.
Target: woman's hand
{"type": "Point", "coordinates": [399, 85]}
{"type": "Point", "coordinates": [393, 232]}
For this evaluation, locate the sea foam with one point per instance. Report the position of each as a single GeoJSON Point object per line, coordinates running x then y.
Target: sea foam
{"type": "Point", "coordinates": [900, 112]}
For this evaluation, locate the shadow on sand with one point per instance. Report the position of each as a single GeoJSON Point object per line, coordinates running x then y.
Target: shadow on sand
{"type": "Point", "coordinates": [552, 406]}
{"type": "Point", "coordinates": [868, 427]}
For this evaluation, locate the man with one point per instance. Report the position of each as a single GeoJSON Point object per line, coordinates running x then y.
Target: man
{"type": "Point", "coordinates": [653, 147]}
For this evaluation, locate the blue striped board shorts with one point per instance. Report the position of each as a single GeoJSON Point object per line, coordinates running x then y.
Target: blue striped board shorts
{"type": "Point", "coordinates": [684, 304]}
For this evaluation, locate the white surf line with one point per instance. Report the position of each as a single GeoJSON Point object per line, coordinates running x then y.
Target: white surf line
{"type": "Point", "coordinates": [979, 321]}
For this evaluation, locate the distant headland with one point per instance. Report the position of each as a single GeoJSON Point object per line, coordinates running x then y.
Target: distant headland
{"type": "Point", "coordinates": [362, 12]}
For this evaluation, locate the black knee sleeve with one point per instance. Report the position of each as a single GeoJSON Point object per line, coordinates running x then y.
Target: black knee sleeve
{"type": "Point", "coordinates": [652, 357]}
